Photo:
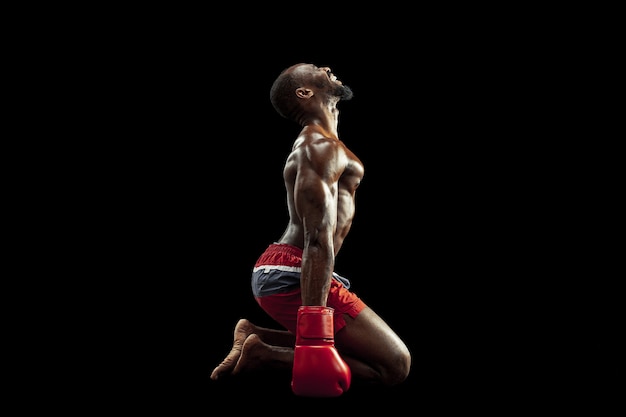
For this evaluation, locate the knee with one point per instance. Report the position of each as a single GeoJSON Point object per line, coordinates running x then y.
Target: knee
{"type": "Point", "coordinates": [399, 367]}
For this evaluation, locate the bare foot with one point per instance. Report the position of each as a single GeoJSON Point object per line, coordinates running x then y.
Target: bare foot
{"type": "Point", "coordinates": [251, 354]}
{"type": "Point", "coordinates": [243, 329]}
{"type": "Point", "coordinates": [256, 354]}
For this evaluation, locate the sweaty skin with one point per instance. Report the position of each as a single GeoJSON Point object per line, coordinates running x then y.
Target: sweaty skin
{"type": "Point", "coordinates": [320, 199]}
{"type": "Point", "coordinates": [321, 177]}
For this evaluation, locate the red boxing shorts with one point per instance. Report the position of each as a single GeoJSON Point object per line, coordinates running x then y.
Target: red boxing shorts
{"type": "Point", "coordinates": [276, 288]}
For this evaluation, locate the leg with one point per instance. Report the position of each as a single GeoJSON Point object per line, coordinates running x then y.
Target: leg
{"type": "Point", "coordinates": [373, 350]}
{"type": "Point", "coordinates": [256, 347]}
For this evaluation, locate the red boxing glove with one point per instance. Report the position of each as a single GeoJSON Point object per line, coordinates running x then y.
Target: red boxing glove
{"type": "Point", "coordinates": [318, 370]}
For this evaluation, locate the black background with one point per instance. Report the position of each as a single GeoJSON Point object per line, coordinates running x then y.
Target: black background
{"type": "Point", "coordinates": [466, 239]}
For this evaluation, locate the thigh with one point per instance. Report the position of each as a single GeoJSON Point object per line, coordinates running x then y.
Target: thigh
{"type": "Point", "coordinates": [368, 337]}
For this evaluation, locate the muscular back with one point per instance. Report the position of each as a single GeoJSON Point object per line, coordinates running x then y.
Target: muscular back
{"type": "Point", "coordinates": [321, 177]}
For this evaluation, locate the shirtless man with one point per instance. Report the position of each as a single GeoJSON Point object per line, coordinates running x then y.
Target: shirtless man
{"type": "Point", "coordinates": [296, 271]}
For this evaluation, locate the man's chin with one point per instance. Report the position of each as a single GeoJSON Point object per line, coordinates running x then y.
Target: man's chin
{"type": "Point", "coordinates": [345, 93]}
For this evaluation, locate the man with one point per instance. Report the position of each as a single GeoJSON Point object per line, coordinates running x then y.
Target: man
{"type": "Point", "coordinates": [332, 335]}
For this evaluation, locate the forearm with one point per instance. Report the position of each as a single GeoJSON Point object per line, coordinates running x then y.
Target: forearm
{"type": "Point", "coordinates": [317, 267]}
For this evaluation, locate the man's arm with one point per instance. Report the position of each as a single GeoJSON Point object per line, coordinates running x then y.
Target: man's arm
{"type": "Point", "coordinates": [315, 197]}
{"type": "Point", "coordinates": [318, 369]}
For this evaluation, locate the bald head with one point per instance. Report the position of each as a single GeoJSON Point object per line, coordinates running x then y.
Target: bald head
{"type": "Point", "coordinates": [283, 94]}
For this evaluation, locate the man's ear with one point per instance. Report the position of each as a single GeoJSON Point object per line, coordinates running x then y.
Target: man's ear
{"type": "Point", "coordinates": [304, 93]}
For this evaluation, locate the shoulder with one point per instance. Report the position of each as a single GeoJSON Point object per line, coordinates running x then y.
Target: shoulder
{"type": "Point", "coordinates": [316, 142]}
{"type": "Point", "coordinates": [321, 151]}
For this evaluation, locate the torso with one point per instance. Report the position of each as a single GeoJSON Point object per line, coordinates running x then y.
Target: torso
{"type": "Point", "coordinates": [320, 158]}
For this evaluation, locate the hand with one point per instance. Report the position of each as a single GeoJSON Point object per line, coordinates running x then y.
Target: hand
{"type": "Point", "coordinates": [318, 369]}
